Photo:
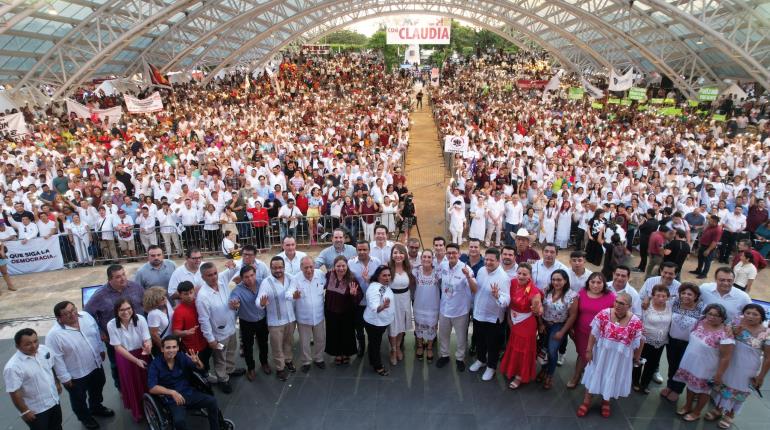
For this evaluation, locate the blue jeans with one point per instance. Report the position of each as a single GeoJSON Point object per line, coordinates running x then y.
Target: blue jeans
{"type": "Point", "coordinates": [553, 347]}
{"type": "Point", "coordinates": [507, 230]}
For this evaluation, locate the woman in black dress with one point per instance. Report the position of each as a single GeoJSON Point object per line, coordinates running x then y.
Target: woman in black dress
{"type": "Point", "coordinates": [343, 294]}
{"type": "Point", "coordinates": [594, 248]}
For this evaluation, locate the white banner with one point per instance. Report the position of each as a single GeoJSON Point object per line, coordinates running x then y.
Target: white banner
{"type": "Point", "coordinates": [14, 126]}
{"type": "Point", "coordinates": [433, 31]}
{"type": "Point", "coordinates": [621, 83]}
{"type": "Point", "coordinates": [112, 114]}
{"type": "Point", "coordinates": [37, 255]}
{"type": "Point", "coordinates": [434, 76]}
{"type": "Point", "coordinates": [412, 55]}
{"type": "Point", "coordinates": [456, 144]}
{"type": "Point", "coordinates": [592, 91]}
{"type": "Point", "coordinates": [148, 105]}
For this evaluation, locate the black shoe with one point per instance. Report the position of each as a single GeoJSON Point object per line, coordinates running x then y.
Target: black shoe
{"type": "Point", "coordinates": [701, 276]}
{"type": "Point", "coordinates": [90, 423]}
{"type": "Point", "coordinates": [282, 374]}
{"type": "Point", "coordinates": [320, 364]}
{"type": "Point", "coordinates": [103, 412]}
{"type": "Point", "coordinates": [460, 365]}
{"type": "Point", "coordinates": [237, 372]}
{"type": "Point", "coordinates": [305, 368]}
{"type": "Point", "coordinates": [226, 387]}
{"type": "Point", "coordinates": [441, 362]}
{"type": "Point", "coordinates": [695, 272]}
{"type": "Point", "coordinates": [290, 367]}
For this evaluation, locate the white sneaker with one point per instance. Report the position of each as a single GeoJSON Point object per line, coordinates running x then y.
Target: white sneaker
{"type": "Point", "coordinates": [560, 360]}
{"type": "Point", "coordinates": [488, 374]}
{"type": "Point", "coordinates": [476, 366]}
{"type": "Point", "coordinates": [658, 378]}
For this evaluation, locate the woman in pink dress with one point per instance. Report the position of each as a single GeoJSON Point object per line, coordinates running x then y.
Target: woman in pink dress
{"type": "Point", "coordinates": [591, 300]}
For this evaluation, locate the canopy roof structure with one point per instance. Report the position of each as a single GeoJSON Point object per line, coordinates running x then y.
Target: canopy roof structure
{"type": "Point", "coordinates": [63, 43]}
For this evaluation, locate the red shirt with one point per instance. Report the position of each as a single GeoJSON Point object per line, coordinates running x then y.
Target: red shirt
{"type": "Point", "coordinates": [710, 235]}
{"type": "Point", "coordinates": [756, 258]}
{"type": "Point", "coordinates": [186, 317]}
{"type": "Point", "coordinates": [259, 216]}
{"type": "Point", "coordinates": [657, 241]}
{"type": "Point", "coordinates": [526, 256]}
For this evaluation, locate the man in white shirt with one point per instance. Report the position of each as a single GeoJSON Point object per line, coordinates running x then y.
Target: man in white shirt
{"type": "Point", "coordinates": [189, 216]}
{"type": "Point", "coordinates": [508, 259]}
{"type": "Point", "coordinates": [29, 380]}
{"type": "Point", "coordinates": [106, 234]}
{"type": "Point", "coordinates": [667, 278]}
{"type": "Point", "coordinates": [363, 267]}
{"type": "Point", "coordinates": [381, 246]}
{"type": "Point", "coordinates": [186, 272]}
{"type": "Point", "coordinates": [495, 213]}
{"type": "Point", "coordinates": [734, 223]}
{"type": "Point", "coordinates": [307, 291]}
{"type": "Point", "coordinates": [78, 354]}
{"type": "Point", "coordinates": [514, 214]}
{"type": "Point", "coordinates": [543, 268]}
{"type": "Point", "coordinates": [288, 215]}
{"type": "Point", "coordinates": [168, 231]}
{"type": "Point", "coordinates": [619, 284]}
{"type": "Point", "coordinates": [26, 229]}
{"type": "Point", "coordinates": [124, 226]}
{"type": "Point", "coordinates": [216, 316]}
{"type": "Point", "coordinates": [291, 257]}
{"type": "Point", "coordinates": [578, 274]}
{"type": "Point", "coordinates": [490, 299]}
{"type": "Point", "coordinates": [724, 293]}
{"type": "Point", "coordinates": [280, 317]}
{"type": "Point", "coordinates": [147, 228]}
{"type": "Point", "coordinates": [456, 285]}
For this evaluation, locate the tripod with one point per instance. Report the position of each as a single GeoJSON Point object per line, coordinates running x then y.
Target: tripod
{"type": "Point", "coordinates": [411, 223]}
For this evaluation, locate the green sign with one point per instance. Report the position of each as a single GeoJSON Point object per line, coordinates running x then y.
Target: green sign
{"type": "Point", "coordinates": [636, 93]}
{"type": "Point", "coordinates": [613, 101]}
{"type": "Point", "coordinates": [656, 101]}
{"type": "Point", "coordinates": [708, 94]}
{"type": "Point", "coordinates": [576, 93]}
{"type": "Point", "coordinates": [610, 116]}
{"type": "Point", "coordinates": [693, 103]}
{"type": "Point", "coordinates": [626, 102]}
{"type": "Point", "coordinates": [596, 105]}
{"type": "Point", "coordinates": [669, 101]}
{"type": "Point", "coordinates": [671, 111]}
{"type": "Point", "coordinates": [642, 108]}
{"type": "Point", "coordinates": [717, 117]}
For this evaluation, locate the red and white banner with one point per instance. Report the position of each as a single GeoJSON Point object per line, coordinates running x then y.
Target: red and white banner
{"type": "Point", "coordinates": [112, 114]}
{"type": "Point", "coordinates": [411, 31]}
{"type": "Point", "coordinates": [526, 84]}
{"type": "Point", "coordinates": [14, 126]}
{"type": "Point", "coordinates": [434, 76]}
{"type": "Point", "coordinates": [148, 105]}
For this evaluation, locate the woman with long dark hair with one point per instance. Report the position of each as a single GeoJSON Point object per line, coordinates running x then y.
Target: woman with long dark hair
{"type": "Point", "coordinates": [402, 284]}
{"type": "Point", "coordinates": [342, 297]}
{"type": "Point", "coordinates": [594, 248]}
{"type": "Point", "coordinates": [378, 315]}
{"type": "Point", "coordinates": [559, 314]}
{"type": "Point", "coordinates": [130, 336]}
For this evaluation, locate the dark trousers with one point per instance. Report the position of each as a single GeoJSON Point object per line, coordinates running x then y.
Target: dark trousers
{"type": "Point", "coordinates": [196, 400]}
{"type": "Point", "coordinates": [704, 260]}
{"type": "Point", "coordinates": [48, 420]}
{"type": "Point", "coordinates": [674, 353]}
{"type": "Point", "coordinates": [113, 365]}
{"type": "Point", "coordinates": [644, 242]}
{"type": "Point", "coordinates": [630, 238]}
{"type": "Point", "coordinates": [260, 237]}
{"type": "Point", "coordinates": [579, 236]}
{"type": "Point", "coordinates": [358, 325]}
{"type": "Point", "coordinates": [508, 229]}
{"type": "Point", "coordinates": [86, 394]}
{"type": "Point", "coordinates": [250, 330]}
{"type": "Point", "coordinates": [728, 243]}
{"type": "Point", "coordinates": [490, 339]}
{"type": "Point", "coordinates": [374, 333]}
{"type": "Point", "coordinates": [205, 357]}
{"type": "Point", "coordinates": [642, 375]}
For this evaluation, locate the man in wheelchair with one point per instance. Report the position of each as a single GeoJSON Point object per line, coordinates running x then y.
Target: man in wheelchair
{"type": "Point", "coordinates": [169, 376]}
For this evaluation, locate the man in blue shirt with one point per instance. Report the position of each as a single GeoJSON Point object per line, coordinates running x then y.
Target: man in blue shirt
{"type": "Point", "coordinates": [253, 319]}
{"type": "Point", "coordinates": [339, 247]}
{"type": "Point", "coordinates": [168, 377]}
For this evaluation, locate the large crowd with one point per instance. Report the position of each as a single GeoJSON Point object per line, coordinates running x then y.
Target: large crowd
{"type": "Point", "coordinates": [332, 132]}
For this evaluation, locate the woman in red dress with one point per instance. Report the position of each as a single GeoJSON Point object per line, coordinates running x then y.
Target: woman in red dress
{"type": "Point", "coordinates": [519, 360]}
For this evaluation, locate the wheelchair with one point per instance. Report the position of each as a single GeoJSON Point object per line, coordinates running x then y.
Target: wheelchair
{"type": "Point", "coordinates": [159, 415]}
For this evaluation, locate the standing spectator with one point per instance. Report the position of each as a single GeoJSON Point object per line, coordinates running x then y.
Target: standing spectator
{"type": "Point", "coordinates": [307, 293]}
{"type": "Point", "coordinates": [78, 353]}
{"type": "Point", "coordinates": [184, 323]}
{"type": "Point", "coordinates": [655, 250]}
{"type": "Point", "coordinates": [705, 360]}
{"type": "Point", "coordinates": [613, 350]}
{"type": "Point", "coordinates": [646, 229]}
{"type": "Point", "coordinates": [217, 321]}
{"type": "Point", "coordinates": [427, 296]}
{"type": "Point", "coordinates": [457, 284]}
{"type": "Point", "coordinates": [146, 222]}
{"type": "Point", "coordinates": [686, 311]}
{"type": "Point", "coordinates": [101, 306]}
{"type": "Point", "coordinates": [252, 320]}
{"type": "Point", "coordinates": [733, 225]}
{"type": "Point", "coordinates": [724, 292]}
{"type": "Point", "coordinates": [457, 222]}
{"type": "Point", "coordinates": [747, 368]}
{"type": "Point", "coordinates": [130, 337]}
{"type": "Point", "coordinates": [745, 272]}
{"type": "Point", "coordinates": [709, 239]}
{"type": "Point", "coordinates": [168, 229]}
{"type": "Point", "coordinates": [756, 257]}
{"type": "Point", "coordinates": [560, 306]}
{"type": "Point", "coordinates": [280, 317]}
{"type": "Point", "coordinates": [328, 256]}
{"type": "Point", "coordinates": [677, 251]}
{"type": "Point", "coordinates": [186, 272]}
{"type": "Point", "coordinates": [157, 271]}
{"type": "Point", "coordinates": [378, 315]}
{"type": "Point", "coordinates": [362, 266]}
{"type": "Point", "coordinates": [159, 316]}
{"type": "Point", "coordinates": [657, 321]}
{"type": "Point", "coordinates": [123, 225]}
{"type": "Point", "coordinates": [79, 234]}
{"type": "Point", "coordinates": [259, 220]}
{"type": "Point", "coordinates": [594, 298]}
{"type": "Point", "coordinates": [526, 306]}
{"type": "Point", "coordinates": [343, 294]}
{"type": "Point", "coordinates": [29, 379]}
{"type": "Point", "coordinates": [291, 257]}
{"type": "Point", "coordinates": [418, 98]}
{"type": "Point", "coordinates": [402, 286]}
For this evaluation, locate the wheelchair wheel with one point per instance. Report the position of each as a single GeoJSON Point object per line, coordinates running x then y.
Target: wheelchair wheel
{"type": "Point", "coordinates": [227, 425]}
{"type": "Point", "coordinates": [154, 414]}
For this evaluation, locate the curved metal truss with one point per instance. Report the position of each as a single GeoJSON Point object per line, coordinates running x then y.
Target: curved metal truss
{"type": "Point", "coordinates": [692, 42]}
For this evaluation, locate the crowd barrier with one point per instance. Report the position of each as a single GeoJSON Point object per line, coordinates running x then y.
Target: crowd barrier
{"type": "Point", "coordinates": [69, 250]}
